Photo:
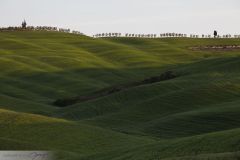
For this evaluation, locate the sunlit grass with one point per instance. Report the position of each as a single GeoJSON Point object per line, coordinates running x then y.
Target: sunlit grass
{"type": "Point", "coordinates": [194, 116]}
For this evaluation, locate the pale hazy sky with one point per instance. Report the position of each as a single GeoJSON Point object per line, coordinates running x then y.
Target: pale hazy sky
{"type": "Point", "coordinates": [135, 16]}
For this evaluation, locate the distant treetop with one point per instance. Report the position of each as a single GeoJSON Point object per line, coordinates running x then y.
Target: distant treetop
{"type": "Point", "coordinates": [24, 24]}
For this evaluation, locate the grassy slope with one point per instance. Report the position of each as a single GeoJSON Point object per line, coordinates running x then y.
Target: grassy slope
{"type": "Point", "coordinates": [155, 121]}
{"type": "Point", "coordinates": [40, 132]}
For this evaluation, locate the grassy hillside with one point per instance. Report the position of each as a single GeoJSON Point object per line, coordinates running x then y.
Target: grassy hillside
{"type": "Point", "coordinates": [192, 116]}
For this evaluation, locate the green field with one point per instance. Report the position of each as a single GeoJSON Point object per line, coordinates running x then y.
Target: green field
{"type": "Point", "coordinates": [195, 116]}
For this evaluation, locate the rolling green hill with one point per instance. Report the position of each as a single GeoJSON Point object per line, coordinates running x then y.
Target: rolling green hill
{"type": "Point", "coordinates": [195, 115]}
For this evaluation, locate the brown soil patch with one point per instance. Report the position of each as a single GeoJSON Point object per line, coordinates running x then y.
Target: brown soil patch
{"type": "Point", "coordinates": [216, 48]}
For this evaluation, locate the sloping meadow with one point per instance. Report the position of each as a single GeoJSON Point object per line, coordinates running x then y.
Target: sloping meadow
{"type": "Point", "coordinates": [193, 115]}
